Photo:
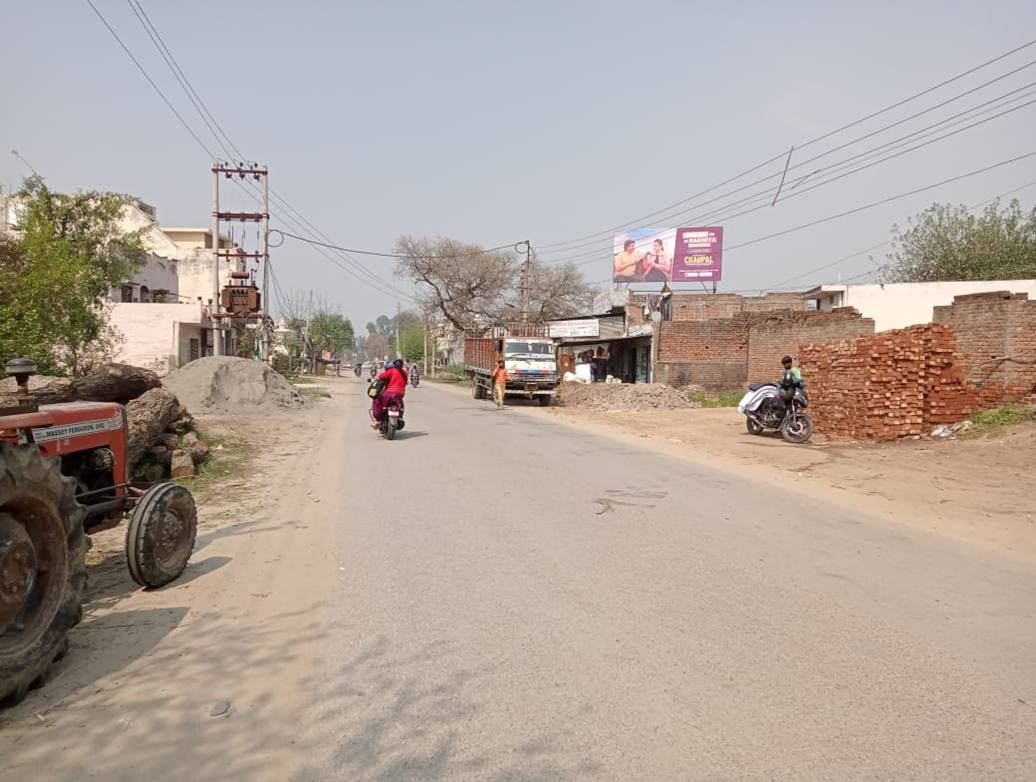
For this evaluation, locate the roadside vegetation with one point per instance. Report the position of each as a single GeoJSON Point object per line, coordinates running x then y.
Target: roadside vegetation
{"type": "Point", "coordinates": [1000, 417]}
{"type": "Point", "coordinates": [228, 458]}
{"type": "Point", "coordinates": [453, 373]}
{"type": "Point", "coordinates": [728, 398]}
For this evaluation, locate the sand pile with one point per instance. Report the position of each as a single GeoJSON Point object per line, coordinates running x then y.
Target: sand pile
{"type": "Point", "coordinates": [231, 385]}
{"type": "Point", "coordinates": [622, 397]}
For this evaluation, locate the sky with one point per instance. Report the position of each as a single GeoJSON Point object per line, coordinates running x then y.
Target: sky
{"type": "Point", "coordinates": [495, 123]}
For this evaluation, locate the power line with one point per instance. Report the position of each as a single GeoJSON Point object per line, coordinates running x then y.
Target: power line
{"type": "Point", "coordinates": [880, 202]}
{"type": "Point", "coordinates": [151, 81]}
{"type": "Point", "coordinates": [401, 256]}
{"type": "Point", "coordinates": [887, 242]}
{"type": "Point", "coordinates": [761, 199]}
{"type": "Point", "coordinates": [376, 282]}
{"type": "Point", "coordinates": [801, 146]}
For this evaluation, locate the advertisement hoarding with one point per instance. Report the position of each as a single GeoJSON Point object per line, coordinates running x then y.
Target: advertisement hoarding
{"type": "Point", "coordinates": [698, 256]}
{"type": "Point", "coordinates": [643, 255]}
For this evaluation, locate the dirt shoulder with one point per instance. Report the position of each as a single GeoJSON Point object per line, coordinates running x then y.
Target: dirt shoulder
{"type": "Point", "coordinates": [148, 669]}
{"type": "Point", "coordinates": [976, 490]}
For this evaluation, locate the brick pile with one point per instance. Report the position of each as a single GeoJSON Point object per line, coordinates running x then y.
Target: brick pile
{"type": "Point", "coordinates": [868, 388]}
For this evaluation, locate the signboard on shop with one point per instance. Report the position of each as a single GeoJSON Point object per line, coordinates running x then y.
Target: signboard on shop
{"type": "Point", "coordinates": [588, 327]}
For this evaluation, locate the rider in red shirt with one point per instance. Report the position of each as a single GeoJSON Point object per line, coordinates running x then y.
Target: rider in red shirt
{"type": "Point", "coordinates": [395, 390]}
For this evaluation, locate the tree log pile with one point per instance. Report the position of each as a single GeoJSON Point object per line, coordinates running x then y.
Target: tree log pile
{"type": "Point", "coordinates": [160, 431]}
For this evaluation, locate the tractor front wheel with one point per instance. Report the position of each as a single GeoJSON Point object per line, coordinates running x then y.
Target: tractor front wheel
{"type": "Point", "coordinates": [42, 567]}
{"type": "Point", "coordinates": [160, 535]}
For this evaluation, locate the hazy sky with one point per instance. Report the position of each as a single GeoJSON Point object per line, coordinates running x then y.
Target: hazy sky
{"type": "Point", "coordinates": [493, 122]}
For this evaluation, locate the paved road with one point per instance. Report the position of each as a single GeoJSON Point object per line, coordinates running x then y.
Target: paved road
{"type": "Point", "coordinates": [527, 601]}
{"type": "Point", "coordinates": [496, 596]}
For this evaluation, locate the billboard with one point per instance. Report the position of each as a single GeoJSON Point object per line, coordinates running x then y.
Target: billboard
{"type": "Point", "coordinates": [643, 255]}
{"type": "Point", "coordinates": [699, 255]}
{"type": "Point", "coordinates": [668, 254]}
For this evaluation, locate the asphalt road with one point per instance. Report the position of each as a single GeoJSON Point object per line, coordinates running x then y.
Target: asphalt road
{"type": "Point", "coordinates": [523, 600]}
{"type": "Point", "coordinates": [498, 596]}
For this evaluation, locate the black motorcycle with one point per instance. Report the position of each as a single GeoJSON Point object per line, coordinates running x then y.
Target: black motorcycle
{"type": "Point", "coordinates": [783, 409]}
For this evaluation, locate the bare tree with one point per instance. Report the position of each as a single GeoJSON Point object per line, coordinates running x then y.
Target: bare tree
{"type": "Point", "coordinates": [461, 281]}
{"type": "Point", "coordinates": [470, 287]}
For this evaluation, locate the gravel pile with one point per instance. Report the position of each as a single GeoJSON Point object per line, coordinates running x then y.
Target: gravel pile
{"type": "Point", "coordinates": [231, 385]}
{"type": "Point", "coordinates": [622, 397]}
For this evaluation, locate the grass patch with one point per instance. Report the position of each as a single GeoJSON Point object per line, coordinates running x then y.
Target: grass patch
{"type": "Point", "coordinates": [302, 380]}
{"type": "Point", "coordinates": [729, 398]}
{"type": "Point", "coordinates": [315, 392]}
{"type": "Point", "coordinates": [228, 457]}
{"type": "Point", "coordinates": [999, 417]}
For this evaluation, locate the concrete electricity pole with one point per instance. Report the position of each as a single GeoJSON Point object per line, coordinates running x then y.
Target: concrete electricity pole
{"type": "Point", "coordinates": [524, 287]}
{"type": "Point", "coordinates": [217, 347]}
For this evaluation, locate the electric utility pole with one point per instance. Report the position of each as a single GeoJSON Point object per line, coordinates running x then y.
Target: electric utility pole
{"type": "Point", "coordinates": [523, 290]}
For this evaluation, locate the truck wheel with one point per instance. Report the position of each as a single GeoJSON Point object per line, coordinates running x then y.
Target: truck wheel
{"type": "Point", "coordinates": [42, 567]}
{"type": "Point", "coordinates": [475, 390]}
{"type": "Point", "coordinates": [160, 535]}
{"type": "Point", "coordinates": [544, 400]}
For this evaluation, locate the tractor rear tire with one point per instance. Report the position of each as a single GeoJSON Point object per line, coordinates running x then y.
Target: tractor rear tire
{"type": "Point", "coordinates": [160, 535]}
{"type": "Point", "coordinates": [42, 567]}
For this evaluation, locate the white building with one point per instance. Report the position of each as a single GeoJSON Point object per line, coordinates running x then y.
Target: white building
{"type": "Point", "coordinates": [901, 304]}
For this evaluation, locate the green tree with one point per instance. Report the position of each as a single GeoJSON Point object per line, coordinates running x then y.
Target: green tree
{"type": "Point", "coordinates": [330, 331]}
{"type": "Point", "coordinates": [55, 275]}
{"type": "Point", "coordinates": [948, 242]}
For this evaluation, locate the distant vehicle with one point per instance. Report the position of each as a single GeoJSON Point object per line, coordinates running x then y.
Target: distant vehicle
{"type": "Point", "coordinates": [531, 364]}
{"type": "Point", "coordinates": [778, 406]}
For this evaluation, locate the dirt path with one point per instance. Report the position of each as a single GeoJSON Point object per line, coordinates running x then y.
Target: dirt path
{"type": "Point", "coordinates": [147, 668]}
{"type": "Point", "coordinates": [975, 490]}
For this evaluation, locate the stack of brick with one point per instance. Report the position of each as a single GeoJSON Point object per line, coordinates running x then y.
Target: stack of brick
{"type": "Point", "coordinates": [868, 388]}
{"type": "Point", "coordinates": [948, 397]}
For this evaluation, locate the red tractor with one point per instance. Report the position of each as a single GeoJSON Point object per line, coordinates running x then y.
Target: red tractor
{"type": "Point", "coordinates": [63, 476]}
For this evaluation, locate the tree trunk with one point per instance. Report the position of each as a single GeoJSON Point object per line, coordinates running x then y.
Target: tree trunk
{"type": "Point", "coordinates": [112, 383]}
{"type": "Point", "coordinates": [147, 417]}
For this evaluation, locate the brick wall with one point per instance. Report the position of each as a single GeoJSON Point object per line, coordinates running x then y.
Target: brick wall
{"type": "Point", "coordinates": [711, 353]}
{"type": "Point", "coordinates": [772, 336]}
{"type": "Point", "coordinates": [722, 353]}
{"type": "Point", "coordinates": [996, 341]}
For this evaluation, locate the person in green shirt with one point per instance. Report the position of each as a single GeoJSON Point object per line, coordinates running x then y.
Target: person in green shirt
{"type": "Point", "coordinates": [796, 373]}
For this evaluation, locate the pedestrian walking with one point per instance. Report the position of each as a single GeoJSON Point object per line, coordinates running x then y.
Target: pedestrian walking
{"type": "Point", "coordinates": [499, 383]}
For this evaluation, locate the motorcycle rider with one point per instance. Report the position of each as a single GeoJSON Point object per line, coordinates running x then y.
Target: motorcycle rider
{"type": "Point", "coordinates": [796, 373]}
{"type": "Point", "coordinates": [415, 373]}
{"type": "Point", "coordinates": [395, 389]}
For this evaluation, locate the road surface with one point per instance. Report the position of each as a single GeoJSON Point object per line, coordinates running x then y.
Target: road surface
{"type": "Point", "coordinates": [497, 596]}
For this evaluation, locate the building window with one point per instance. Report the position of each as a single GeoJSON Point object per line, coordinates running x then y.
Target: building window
{"type": "Point", "coordinates": [193, 349]}
{"type": "Point", "coordinates": [126, 293]}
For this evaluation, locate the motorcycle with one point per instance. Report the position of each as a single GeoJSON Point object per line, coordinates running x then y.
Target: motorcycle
{"type": "Point", "coordinates": [393, 419]}
{"type": "Point", "coordinates": [778, 406]}
{"type": "Point", "coordinates": [415, 379]}
{"type": "Point", "coordinates": [357, 370]}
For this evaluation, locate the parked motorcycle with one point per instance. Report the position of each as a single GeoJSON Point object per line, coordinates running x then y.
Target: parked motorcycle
{"type": "Point", "coordinates": [778, 406]}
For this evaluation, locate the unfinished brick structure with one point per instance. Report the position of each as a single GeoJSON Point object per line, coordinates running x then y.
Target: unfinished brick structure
{"type": "Point", "coordinates": [774, 335]}
{"type": "Point", "coordinates": [980, 354]}
{"type": "Point", "coordinates": [996, 342]}
{"type": "Point", "coordinates": [720, 353]}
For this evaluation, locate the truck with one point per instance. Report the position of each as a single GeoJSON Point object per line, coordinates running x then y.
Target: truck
{"type": "Point", "coordinates": [531, 363]}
